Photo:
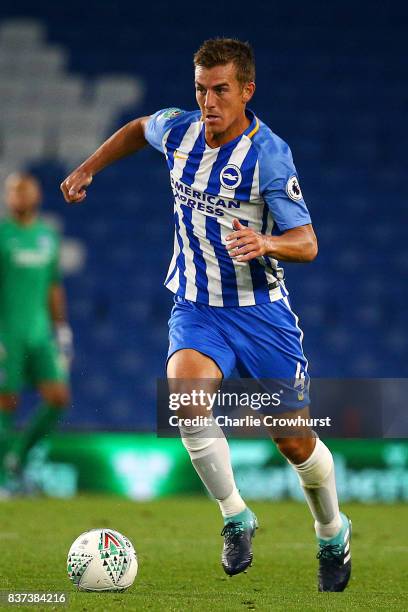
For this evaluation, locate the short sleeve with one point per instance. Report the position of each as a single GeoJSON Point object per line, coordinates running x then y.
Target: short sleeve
{"type": "Point", "coordinates": [160, 123]}
{"type": "Point", "coordinates": [280, 188]}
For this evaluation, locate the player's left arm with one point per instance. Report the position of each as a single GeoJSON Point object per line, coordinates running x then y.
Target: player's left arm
{"type": "Point", "coordinates": [57, 303]}
{"type": "Point", "coordinates": [57, 306]}
{"type": "Point", "coordinates": [298, 244]}
{"type": "Point", "coordinates": [281, 192]}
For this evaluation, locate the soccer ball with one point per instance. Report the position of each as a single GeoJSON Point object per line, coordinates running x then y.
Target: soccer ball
{"type": "Point", "coordinates": [102, 560]}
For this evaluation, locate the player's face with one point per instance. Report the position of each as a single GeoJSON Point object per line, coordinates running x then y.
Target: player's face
{"type": "Point", "coordinates": [222, 99]}
{"type": "Point", "coordinates": [23, 195]}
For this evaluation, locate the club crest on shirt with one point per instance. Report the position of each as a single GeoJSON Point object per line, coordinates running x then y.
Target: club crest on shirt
{"type": "Point", "coordinates": [293, 189]}
{"type": "Point", "coordinates": [230, 176]}
{"type": "Point", "coordinates": [170, 113]}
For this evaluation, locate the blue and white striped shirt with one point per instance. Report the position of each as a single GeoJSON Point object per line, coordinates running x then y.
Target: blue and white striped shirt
{"type": "Point", "coordinates": [251, 178]}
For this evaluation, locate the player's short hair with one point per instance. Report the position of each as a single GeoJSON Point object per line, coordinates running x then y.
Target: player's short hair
{"type": "Point", "coordinates": [221, 51]}
{"type": "Point", "coordinates": [23, 177]}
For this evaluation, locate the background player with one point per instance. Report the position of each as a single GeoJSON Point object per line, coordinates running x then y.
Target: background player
{"type": "Point", "coordinates": [229, 171]}
{"type": "Point", "coordinates": [35, 339]}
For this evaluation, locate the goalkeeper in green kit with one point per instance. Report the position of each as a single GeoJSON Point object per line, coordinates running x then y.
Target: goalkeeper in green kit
{"type": "Point", "coordinates": [35, 339]}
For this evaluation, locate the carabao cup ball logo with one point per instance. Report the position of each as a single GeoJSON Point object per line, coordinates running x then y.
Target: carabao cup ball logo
{"type": "Point", "coordinates": [230, 176]}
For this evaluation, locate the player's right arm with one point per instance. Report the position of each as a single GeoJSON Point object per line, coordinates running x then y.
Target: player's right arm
{"type": "Point", "coordinates": [129, 139]}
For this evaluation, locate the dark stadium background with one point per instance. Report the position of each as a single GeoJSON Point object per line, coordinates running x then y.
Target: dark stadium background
{"type": "Point", "coordinates": [331, 81]}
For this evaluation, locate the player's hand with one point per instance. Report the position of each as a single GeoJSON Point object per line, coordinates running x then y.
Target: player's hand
{"type": "Point", "coordinates": [245, 243]}
{"type": "Point", "coordinates": [74, 186]}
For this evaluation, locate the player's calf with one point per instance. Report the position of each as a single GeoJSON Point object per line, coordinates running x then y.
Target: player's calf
{"type": "Point", "coordinates": [333, 529]}
{"type": "Point", "coordinates": [210, 456]}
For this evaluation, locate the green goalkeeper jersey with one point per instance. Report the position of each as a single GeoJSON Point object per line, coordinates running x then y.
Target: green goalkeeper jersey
{"type": "Point", "coordinates": [29, 265]}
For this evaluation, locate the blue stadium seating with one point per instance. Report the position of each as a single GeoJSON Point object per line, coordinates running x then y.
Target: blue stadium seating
{"type": "Point", "coordinates": [331, 80]}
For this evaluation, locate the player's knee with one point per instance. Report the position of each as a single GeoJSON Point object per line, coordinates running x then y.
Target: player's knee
{"type": "Point", "coordinates": [296, 450]}
{"type": "Point", "coordinates": [8, 402]}
{"type": "Point", "coordinates": [191, 364]}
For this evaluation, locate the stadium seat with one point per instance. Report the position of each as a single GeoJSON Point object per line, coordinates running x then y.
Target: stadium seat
{"type": "Point", "coordinates": [19, 118]}
{"type": "Point", "coordinates": [344, 116]}
{"type": "Point", "coordinates": [61, 92]}
{"type": "Point", "coordinates": [20, 148]}
{"type": "Point", "coordinates": [75, 147]}
{"type": "Point", "coordinates": [31, 64]}
{"type": "Point", "coordinates": [22, 33]}
{"type": "Point", "coordinates": [115, 91]}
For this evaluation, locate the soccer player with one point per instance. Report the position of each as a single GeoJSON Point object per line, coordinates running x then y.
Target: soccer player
{"type": "Point", "coordinates": [35, 339]}
{"type": "Point", "coordinates": [238, 209]}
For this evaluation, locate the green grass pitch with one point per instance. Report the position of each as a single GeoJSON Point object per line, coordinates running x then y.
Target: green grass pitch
{"type": "Point", "coordinates": [178, 546]}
